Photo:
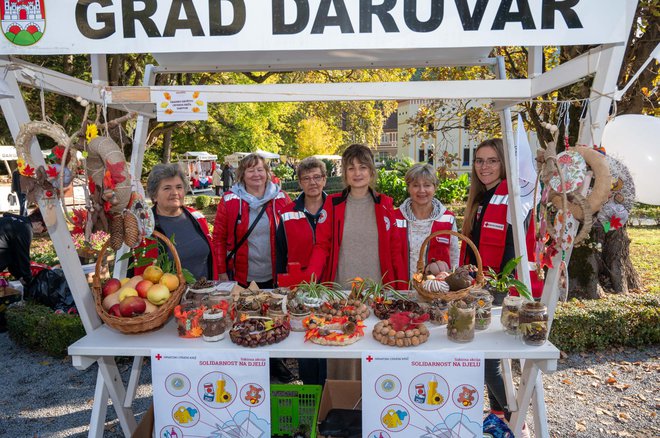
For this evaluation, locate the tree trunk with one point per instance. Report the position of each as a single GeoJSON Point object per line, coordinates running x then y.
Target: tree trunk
{"type": "Point", "coordinates": [618, 270]}
{"type": "Point", "coordinates": [593, 272]}
{"type": "Point", "coordinates": [583, 274]}
{"type": "Point", "coordinates": [167, 146]}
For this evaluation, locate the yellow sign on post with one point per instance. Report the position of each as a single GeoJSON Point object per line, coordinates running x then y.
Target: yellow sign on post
{"type": "Point", "coordinates": [174, 106]}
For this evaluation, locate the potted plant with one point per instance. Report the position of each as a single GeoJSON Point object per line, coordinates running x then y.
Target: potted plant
{"type": "Point", "coordinates": [499, 283]}
{"type": "Point", "coordinates": [384, 298]}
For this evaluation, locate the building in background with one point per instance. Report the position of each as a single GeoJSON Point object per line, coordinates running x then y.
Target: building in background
{"type": "Point", "coordinates": [455, 139]}
{"type": "Point", "coordinates": [389, 139]}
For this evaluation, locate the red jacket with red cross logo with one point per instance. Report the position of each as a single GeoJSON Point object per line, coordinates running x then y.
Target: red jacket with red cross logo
{"type": "Point", "coordinates": [298, 234]}
{"type": "Point", "coordinates": [231, 224]}
{"type": "Point", "coordinates": [329, 232]}
{"type": "Point", "coordinates": [492, 239]}
{"type": "Point", "coordinates": [438, 247]}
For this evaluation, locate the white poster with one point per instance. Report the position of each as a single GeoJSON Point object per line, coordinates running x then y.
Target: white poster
{"type": "Point", "coordinates": [174, 106]}
{"type": "Point", "coordinates": [422, 394]}
{"type": "Point", "coordinates": [211, 394]}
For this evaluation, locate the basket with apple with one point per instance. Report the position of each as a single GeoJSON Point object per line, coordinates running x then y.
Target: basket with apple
{"type": "Point", "coordinates": [141, 303]}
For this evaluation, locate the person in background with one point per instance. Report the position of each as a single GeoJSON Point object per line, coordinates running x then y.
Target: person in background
{"type": "Point", "coordinates": [487, 226]}
{"type": "Point", "coordinates": [217, 180]}
{"type": "Point", "coordinates": [227, 177]}
{"type": "Point", "coordinates": [244, 233]}
{"type": "Point", "coordinates": [295, 239]}
{"type": "Point", "coordinates": [20, 196]}
{"type": "Point", "coordinates": [422, 214]}
{"type": "Point", "coordinates": [356, 238]}
{"type": "Point", "coordinates": [167, 186]}
{"type": "Point", "coordinates": [16, 233]}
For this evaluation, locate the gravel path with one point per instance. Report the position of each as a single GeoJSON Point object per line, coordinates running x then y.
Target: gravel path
{"type": "Point", "coordinates": [612, 394]}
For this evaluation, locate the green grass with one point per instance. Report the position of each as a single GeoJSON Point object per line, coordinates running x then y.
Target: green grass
{"type": "Point", "coordinates": [645, 255]}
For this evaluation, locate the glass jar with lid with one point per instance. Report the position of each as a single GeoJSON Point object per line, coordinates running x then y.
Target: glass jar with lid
{"type": "Point", "coordinates": [510, 313]}
{"type": "Point", "coordinates": [460, 321]}
{"type": "Point", "coordinates": [483, 303]}
{"type": "Point", "coordinates": [213, 325]}
{"type": "Point", "coordinates": [534, 323]}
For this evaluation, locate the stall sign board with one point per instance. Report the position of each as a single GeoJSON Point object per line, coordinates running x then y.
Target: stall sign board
{"type": "Point", "coordinates": [174, 106]}
{"type": "Point", "coordinates": [206, 393]}
{"type": "Point", "coordinates": [422, 394]}
{"type": "Point", "coordinates": [48, 27]}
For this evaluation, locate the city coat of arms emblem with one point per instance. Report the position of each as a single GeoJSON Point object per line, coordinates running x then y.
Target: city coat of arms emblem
{"type": "Point", "coordinates": [23, 21]}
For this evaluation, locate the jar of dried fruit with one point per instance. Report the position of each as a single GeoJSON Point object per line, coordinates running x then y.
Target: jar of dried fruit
{"type": "Point", "coordinates": [534, 323]}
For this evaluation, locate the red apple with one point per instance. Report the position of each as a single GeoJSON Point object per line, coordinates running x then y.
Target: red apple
{"type": "Point", "coordinates": [143, 287]}
{"type": "Point", "coordinates": [111, 286]}
{"type": "Point", "coordinates": [132, 305]}
{"type": "Point", "coordinates": [114, 310]}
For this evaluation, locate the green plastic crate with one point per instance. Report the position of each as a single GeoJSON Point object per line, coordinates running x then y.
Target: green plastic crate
{"type": "Point", "coordinates": [293, 405]}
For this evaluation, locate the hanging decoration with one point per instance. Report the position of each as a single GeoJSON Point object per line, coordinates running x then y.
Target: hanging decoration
{"type": "Point", "coordinates": [45, 183]}
{"type": "Point", "coordinates": [616, 211]}
{"type": "Point", "coordinates": [576, 186]}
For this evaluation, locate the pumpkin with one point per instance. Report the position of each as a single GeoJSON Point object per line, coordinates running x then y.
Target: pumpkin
{"type": "Point", "coordinates": [436, 267]}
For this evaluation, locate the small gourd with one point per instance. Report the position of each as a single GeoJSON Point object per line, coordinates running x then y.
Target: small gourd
{"type": "Point", "coordinates": [436, 267]}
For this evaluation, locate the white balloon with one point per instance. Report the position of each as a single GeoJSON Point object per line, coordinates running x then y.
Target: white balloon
{"type": "Point", "coordinates": [635, 141]}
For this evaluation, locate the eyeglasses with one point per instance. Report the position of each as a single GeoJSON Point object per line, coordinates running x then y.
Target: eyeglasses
{"type": "Point", "coordinates": [308, 179]}
{"type": "Point", "coordinates": [480, 162]}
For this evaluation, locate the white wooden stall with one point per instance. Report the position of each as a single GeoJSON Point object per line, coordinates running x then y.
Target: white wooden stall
{"type": "Point", "coordinates": [274, 36]}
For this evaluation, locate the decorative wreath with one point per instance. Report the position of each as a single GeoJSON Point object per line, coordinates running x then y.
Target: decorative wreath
{"type": "Point", "coordinates": [39, 182]}
{"type": "Point", "coordinates": [337, 331]}
{"type": "Point", "coordinates": [563, 176]}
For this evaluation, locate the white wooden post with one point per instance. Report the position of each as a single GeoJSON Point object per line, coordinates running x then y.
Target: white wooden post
{"type": "Point", "coordinates": [604, 85]}
{"type": "Point", "coordinates": [15, 112]}
{"type": "Point", "coordinates": [515, 206]}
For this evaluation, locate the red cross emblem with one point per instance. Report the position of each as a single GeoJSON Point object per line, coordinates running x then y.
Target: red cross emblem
{"type": "Point", "coordinates": [159, 357]}
{"type": "Point", "coordinates": [369, 358]}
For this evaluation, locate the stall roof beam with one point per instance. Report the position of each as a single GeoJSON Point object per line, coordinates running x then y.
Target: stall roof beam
{"type": "Point", "coordinates": [52, 81]}
{"type": "Point", "coordinates": [476, 89]}
{"type": "Point", "coordinates": [300, 60]}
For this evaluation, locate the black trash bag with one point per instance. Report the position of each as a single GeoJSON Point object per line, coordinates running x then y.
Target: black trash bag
{"type": "Point", "coordinates": [49, 287]}
{"type": "Point", "coordinates": [346, 423]}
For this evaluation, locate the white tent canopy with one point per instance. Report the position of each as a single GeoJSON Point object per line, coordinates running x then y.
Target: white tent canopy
{"type": "Point", "coordinates": [328, 157]}
{"type": "Point", "coordinates": [197, 156]}
{"type": "Point", "coordinates": [238, 156]}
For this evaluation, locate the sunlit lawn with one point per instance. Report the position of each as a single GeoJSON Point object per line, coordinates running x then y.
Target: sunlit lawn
{"type": "Point", "coordinates": [645, 255]}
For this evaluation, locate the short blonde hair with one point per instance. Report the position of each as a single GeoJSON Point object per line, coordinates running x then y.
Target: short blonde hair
{"type": "Point", "coordinates": [363, 155]}
{"type": "Point", "coordinates": [421, 171]}
{"type": "Point", "coordinates": [248, 161]}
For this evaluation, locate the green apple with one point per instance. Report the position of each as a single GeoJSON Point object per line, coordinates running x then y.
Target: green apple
{"type": "Point", "coordinates": [158, 294]}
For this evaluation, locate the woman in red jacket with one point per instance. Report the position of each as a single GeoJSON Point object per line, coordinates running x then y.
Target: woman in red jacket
{"type": "Point", "coordinates": [355, 237]}
{"type": "Point", "coordinates": [244, 233]}
{"type": "Point", "coordinates": [245, 224]}
{"type": "Point", "coordinates": [355, 234]}
{"type": "Point", "coordinates": [486, 224]}
{"type": "Point", "coordinates": [422, 214]}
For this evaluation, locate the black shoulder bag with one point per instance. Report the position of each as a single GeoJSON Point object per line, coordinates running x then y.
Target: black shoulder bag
{"type": "Point", "coordinates": [233, 252]}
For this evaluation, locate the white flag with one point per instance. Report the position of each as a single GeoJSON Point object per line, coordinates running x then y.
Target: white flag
{"type": "Point", "coordinates": [526, 169]}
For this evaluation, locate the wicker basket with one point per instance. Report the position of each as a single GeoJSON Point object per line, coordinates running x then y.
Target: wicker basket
{"type": "Point", "coordinates": [452, 294]}
{"type": "Point", "coordinates": [147, 321]}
